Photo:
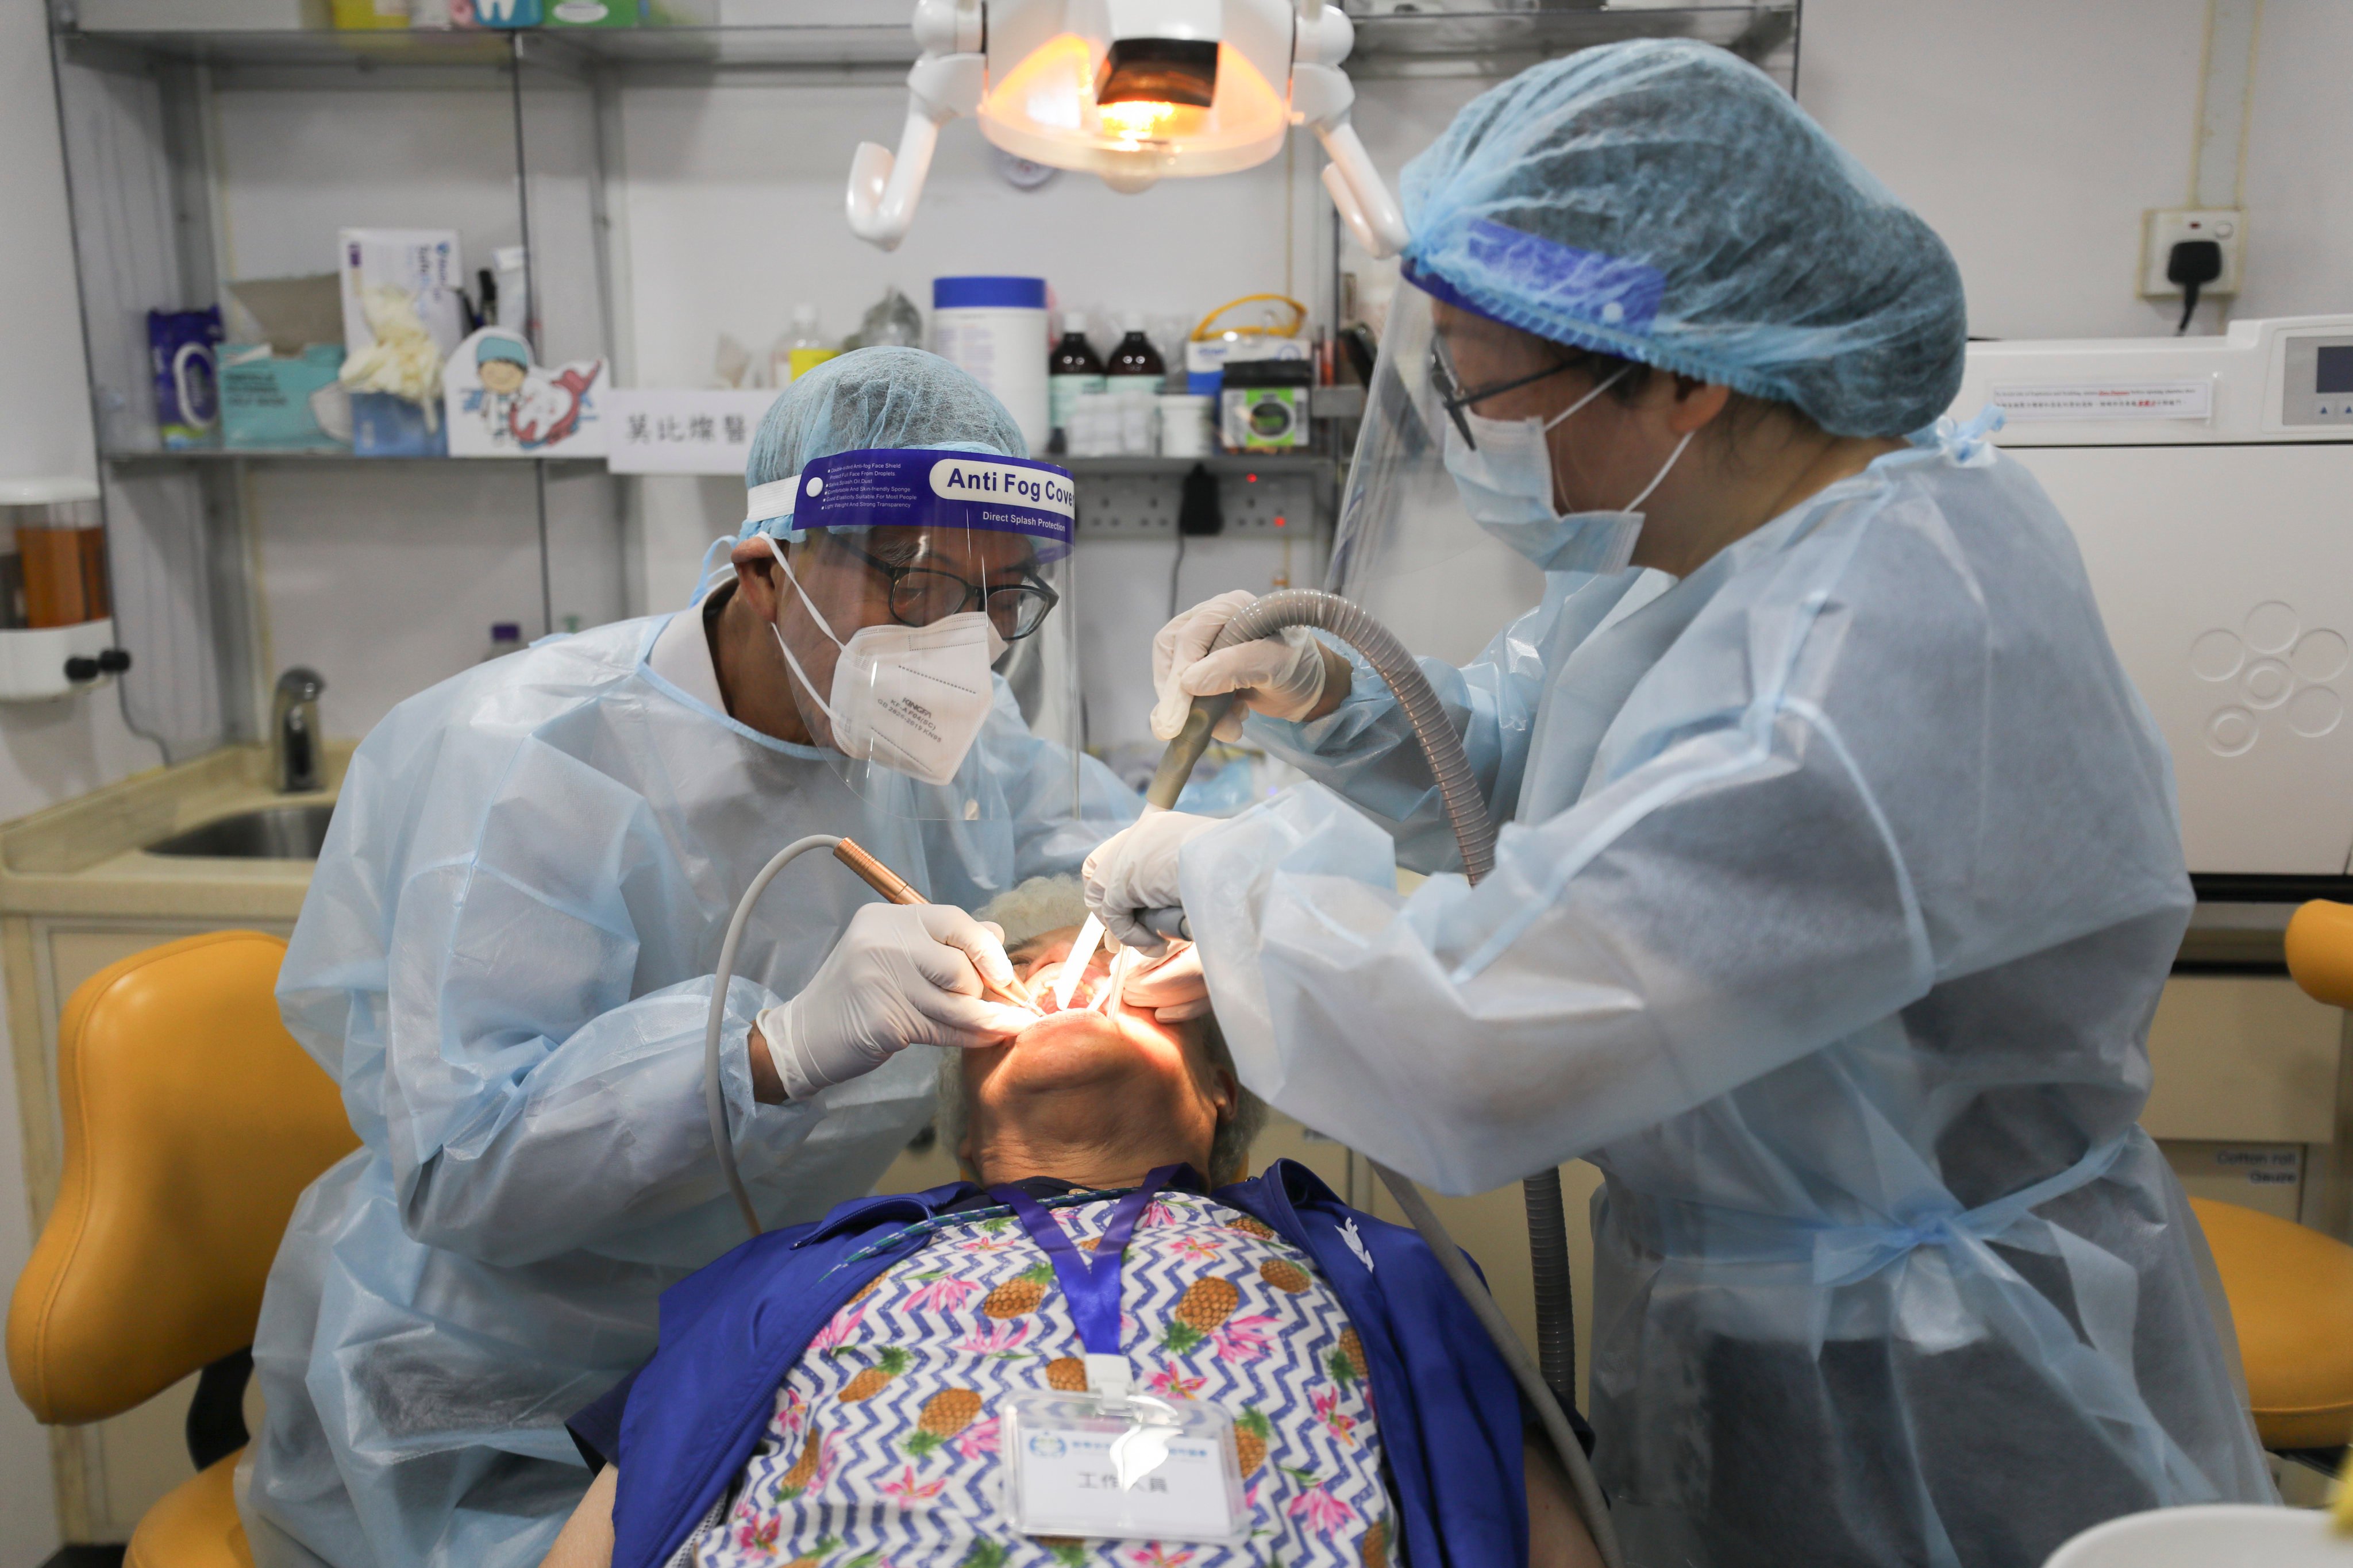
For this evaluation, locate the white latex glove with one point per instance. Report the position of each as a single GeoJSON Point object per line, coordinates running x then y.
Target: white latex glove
{"type": "Point", "coordinates": [1135, 870]}
{"type": "Point", "coordinates": [902, 974]}
{"type": "Point", "coordinates": [1282, 677]}
{"type": "Point", "coordinates": [1174, 988]}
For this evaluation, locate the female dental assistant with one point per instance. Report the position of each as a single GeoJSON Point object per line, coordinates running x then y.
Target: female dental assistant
{"type": "Point", "coordinates": [505, 957]}
{"type": "Point", "coordinates": [1836, 883]}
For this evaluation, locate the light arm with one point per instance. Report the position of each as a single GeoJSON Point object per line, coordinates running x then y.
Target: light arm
{"type": "Point", "coordinates": [946, 81]}
{"type": "Point", "coordinates": [1321, 97]}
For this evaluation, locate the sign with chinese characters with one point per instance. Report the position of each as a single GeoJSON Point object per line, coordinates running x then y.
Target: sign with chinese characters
{"type": "Point", "coordinates": [683, 430]}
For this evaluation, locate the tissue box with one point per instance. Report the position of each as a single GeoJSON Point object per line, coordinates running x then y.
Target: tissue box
{"type": "Point", "coordinates": [270, 402]}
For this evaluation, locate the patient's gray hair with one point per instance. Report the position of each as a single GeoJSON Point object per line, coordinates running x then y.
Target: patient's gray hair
{"type": "Point", "coordinates": [1043, 904]}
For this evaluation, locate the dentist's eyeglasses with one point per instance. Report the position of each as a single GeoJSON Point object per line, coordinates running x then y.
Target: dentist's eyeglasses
{"type": "Point", "coordinates": [921, 594]}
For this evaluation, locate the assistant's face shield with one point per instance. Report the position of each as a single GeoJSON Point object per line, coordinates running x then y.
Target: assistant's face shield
{"type": "Point", "coordinates": [1407, 548]}
{"type": "Point", "coordinates": [906, 579]}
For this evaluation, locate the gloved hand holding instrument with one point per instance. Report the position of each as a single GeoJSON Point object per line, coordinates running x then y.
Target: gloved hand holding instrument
{"type": "Point", "coordinates": [899, 977]}
{"type": "Point", "coordinates": [1235, 648]}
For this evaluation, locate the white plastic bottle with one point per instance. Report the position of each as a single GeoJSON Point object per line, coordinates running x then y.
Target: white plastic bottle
{"type": "Point", "coordinates": [995, 328]}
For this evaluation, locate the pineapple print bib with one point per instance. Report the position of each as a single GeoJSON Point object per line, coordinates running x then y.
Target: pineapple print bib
{"type": "Point", "coordinates": [882, 1451]}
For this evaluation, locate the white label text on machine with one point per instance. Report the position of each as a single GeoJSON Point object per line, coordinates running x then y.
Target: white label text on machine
{"type": "Point", "coordinates": [2190, 397]}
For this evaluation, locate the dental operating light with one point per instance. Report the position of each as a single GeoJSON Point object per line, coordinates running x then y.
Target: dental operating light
{"type": "Point", "coordinates": [1132, 90]}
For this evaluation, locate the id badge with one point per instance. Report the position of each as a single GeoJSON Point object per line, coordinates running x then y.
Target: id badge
{"type": "Point", "coordinates": [1123, 1466]}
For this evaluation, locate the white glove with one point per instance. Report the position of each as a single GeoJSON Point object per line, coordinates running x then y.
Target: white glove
{"type": "Point", "coordinates": [1174, 988]}
{"type": "Point", "coordinates": [1135, 870]}
{"type": "Point", "coordinates": [902, 974]}
{"type": "Point", "coordinates": [1282, 677]}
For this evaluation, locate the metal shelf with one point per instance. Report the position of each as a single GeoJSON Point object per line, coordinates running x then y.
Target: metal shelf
{"type": "Point", "coordinates": [1270, 463]}
{"type": "Point", "coordinates": [276, 34]}
{"type": "Point", "coordinates": [212, 456]}
{"type": "Point", "coordinates": [1219, 463]}
{"type": "Point", "coordinates": [1435, 41]}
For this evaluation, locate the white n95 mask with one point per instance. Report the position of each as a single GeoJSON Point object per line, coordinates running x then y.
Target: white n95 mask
{"type": "Point", "coordinates": [911, 698]}
{"type": "Point", "coordinates": [1505, 482]}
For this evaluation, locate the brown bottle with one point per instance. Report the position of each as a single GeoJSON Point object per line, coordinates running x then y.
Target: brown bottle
{"type": "Point", "coordinates": [1136, 365]}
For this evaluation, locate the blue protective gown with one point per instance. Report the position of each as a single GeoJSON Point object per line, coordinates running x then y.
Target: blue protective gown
{"type": "Point", "coordinates": [505, 959]}
{"type": "Point", "coordinates": [1836, 889]}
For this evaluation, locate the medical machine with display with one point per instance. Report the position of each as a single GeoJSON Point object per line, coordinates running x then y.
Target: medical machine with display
{"type": "Point", "coordinates": [2208, 483]}
{"type": "Point", "coordinates": [1132, 90]}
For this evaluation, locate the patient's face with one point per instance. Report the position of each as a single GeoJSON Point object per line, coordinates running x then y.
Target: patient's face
{"type": "Point", "coordinates": [1120, 1059]}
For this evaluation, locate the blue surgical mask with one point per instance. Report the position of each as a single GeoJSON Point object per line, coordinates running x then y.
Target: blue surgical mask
{"type": "Point", "coordinates": [1505, 482]}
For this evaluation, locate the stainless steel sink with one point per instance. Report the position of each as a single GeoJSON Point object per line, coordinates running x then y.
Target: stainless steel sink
{"type": "Point", "coordinates": [273, 833]}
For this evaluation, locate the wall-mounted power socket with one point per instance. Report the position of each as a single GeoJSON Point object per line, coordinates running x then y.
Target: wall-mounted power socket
{"type": "Point", "coordinates": [1266, 503]}
{"type": "Point", "coordinates": [2163, 228]}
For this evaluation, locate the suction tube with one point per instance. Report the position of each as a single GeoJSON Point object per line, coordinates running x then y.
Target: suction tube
{"type": "Point", "coordinates": [714, 1100]}
{"type": "Point", "coordinates": [1550, 1381]}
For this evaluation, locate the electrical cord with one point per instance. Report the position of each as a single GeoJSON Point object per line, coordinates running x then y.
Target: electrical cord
{"type": "Point", "coordinates": [2190, 265]}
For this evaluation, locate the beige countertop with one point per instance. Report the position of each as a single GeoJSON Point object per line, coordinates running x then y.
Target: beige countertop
{"type": "Point", "coordinates": [84, 856]}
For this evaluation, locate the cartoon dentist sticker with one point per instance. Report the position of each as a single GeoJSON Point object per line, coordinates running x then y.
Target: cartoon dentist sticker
{"type": "Point", "coordinates": [514, 406]}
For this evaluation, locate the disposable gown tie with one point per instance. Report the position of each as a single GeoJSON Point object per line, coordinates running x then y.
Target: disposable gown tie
{"type": "Point", "coordinates": [1836, 888]}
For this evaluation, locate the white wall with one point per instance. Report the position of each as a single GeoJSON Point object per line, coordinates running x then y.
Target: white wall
{"type": "Point", "coordinates": [2033, 136]}
{"type": "Point", "coordinates": [48, 751]}
{"type": "Point", "coordinates": [2299, 197]}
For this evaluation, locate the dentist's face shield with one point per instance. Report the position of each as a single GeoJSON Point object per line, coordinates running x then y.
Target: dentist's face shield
{"type": "Point", "coordinates": [911, 581]}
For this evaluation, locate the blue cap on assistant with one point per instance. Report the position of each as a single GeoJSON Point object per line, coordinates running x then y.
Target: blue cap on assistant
{"type": "Point", "coordinates": [1666, 202]}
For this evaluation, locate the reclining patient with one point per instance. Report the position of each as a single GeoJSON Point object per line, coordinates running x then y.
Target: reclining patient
{"type": "Point", "coordinates": [837, 1396]}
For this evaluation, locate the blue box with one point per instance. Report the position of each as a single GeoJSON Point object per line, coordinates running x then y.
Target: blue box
{"type": "Point", "coordinates": [384, 426]}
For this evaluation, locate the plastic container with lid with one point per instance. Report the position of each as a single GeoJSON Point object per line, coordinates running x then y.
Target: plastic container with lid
{"type": "Point", "coordinates": [59, 532]}
{"type": "Point", "coordinates": [57, 628]}
{"type": "Point", "coordinates": [995, 329]}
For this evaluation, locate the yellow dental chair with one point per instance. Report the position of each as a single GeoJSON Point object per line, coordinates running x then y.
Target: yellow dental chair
{"type": "Point", "coordinates": [2290, 1288]}
{"type": "Point", "coordinates": [193, 1122]}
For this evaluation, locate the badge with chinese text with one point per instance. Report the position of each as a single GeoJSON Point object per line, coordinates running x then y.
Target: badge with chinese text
{"type": "Point", "coordinates": [1127, 1468]}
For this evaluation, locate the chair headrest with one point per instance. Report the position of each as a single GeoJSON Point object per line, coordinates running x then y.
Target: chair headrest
{"type": "Point", "coordinates": [193, 1122]}
{"type": "Point", "coordinates": [2320, 950]}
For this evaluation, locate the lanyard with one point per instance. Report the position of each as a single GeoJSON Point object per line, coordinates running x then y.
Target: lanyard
{"type": "Point", "coordinates": [1090, 1287]}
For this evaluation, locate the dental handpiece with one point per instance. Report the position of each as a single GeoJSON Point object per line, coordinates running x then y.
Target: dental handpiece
{"type": "Point", "coordinates": [895, 889]}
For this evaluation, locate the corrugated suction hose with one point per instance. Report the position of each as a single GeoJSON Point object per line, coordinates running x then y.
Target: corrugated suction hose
{"type": "Point", "coordinates": [1548, 1379]}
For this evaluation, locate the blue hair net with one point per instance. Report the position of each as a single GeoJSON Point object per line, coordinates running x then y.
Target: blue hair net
{"type": "Point", "coordinates": [875, 397]}
{"type": "Point", "coordinates": [1666, 202]}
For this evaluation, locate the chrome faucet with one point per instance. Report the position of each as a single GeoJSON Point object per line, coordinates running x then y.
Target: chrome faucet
{"type": "Point", "coordinates": [294, 732]}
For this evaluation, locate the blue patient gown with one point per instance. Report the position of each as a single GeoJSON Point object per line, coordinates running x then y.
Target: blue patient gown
{"type": "Point", "coordinates": [505, 959]}
{"type": "Point", "coordinates": [1837, 886]}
